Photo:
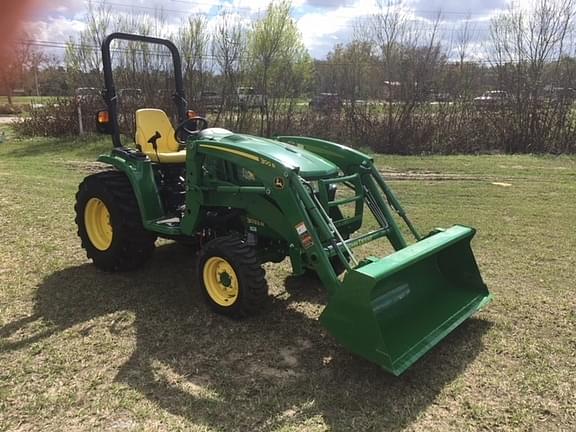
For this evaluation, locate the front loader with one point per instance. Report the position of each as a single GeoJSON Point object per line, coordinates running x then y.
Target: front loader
{"type": "Point", "coordinates": [243, 200]}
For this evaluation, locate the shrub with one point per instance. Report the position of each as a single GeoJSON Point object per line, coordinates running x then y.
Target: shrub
{"type": "Point", "coordinates": [399, 128]}
{"type": "Point", "coordinates": [59, 118]}
{"type": "Point", "coordinates": [6, 109]}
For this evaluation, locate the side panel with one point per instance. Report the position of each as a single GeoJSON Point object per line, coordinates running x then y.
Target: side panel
{"type": "Point", "coordinates": [266, 201]}
{"type": "Point", "coordinates": [272, 201]}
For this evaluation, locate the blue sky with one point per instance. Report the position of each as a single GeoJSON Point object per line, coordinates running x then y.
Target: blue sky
{"type": "Point", "coordinates": [323, 23]}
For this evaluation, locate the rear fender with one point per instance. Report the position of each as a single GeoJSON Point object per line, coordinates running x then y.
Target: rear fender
{"type": "Point", "coordinates": [141, 177]}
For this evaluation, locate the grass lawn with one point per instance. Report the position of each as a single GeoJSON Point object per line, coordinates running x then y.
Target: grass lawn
{"type": "Point", "coordinates": [82, 350]}
{"type": "Point", "coordinates": [26, 100]}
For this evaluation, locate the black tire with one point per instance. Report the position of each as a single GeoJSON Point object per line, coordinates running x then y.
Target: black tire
{"type": "Point", "coordinates": [131, 245]}
{"type": "Point", "coordinates": [191, 244]}
{"type": "Point", "coordinates": [252, 288]}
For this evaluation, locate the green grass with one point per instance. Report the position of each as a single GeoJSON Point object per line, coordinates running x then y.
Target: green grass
{"type": "Point", "coordinates": [26, 100]}
{"type": "Point", "coordinates": [82, 350]}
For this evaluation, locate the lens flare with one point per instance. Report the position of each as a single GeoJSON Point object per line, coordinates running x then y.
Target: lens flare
{"type": "Point", "coordinates": [12, 19]}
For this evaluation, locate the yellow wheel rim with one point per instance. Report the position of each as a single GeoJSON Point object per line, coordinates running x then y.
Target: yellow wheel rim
{"type": "Point", "coordinates": [97, 223]}
{"type": "Point", "coordinates": [220, 281]}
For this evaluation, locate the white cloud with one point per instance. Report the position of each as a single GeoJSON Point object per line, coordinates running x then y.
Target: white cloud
{"type": "Point", "coordinates": [323, 23]}
{"type": "Point", "coordinates": [57, 29]}
{"type": "Point", "coordinates": [455, 10]}
{"type": "Point", "coordinates": [321, 31]}
{"type": "Point", "coordinates": [68, 7]}
{"type": "Point", "coordinates": [249, 5]}
{"type": "Point", "coordinates": [255, 6]}
{"type": "Point", "coordinates": [328, 3]}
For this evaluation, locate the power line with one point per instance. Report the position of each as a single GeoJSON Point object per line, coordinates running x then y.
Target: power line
{"type": "Point", "coordinates": [94, 48]}
{"type": "Point", "coordinates": [212, 57]}
{"type": "Point", "coordinates": [163, 9]}
{"type": "Point", "coordinates": [221, 7]}
{"type": "Point", "coordinates": [247, 8]}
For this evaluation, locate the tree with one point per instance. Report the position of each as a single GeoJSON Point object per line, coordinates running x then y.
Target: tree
{"type": "Point", "coordinates": [193, 41]}
{"type": "Point", "coordinates": [463, 81]}
{"type": "Point", "coordinates": [17, 62]}
{"type": "Point", "coordinates": [410, 58]}
{"type": "Point", "coordinates": [525, 45]}
{"type": "Point", "coordinates": [351, 67]}
{"type": "Point", "coordinates": [82, 56]}
{"type": "Point", "coordinates": [276, 54]}
{"type": "Point", "coordinates": [228, 49]}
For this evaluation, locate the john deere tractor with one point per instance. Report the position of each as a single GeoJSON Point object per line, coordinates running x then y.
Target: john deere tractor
{"type": "Point", "coordinates": [244, 201]}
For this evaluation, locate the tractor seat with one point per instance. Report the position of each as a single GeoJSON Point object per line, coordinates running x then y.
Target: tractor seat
{"type": "Point", "coordinates": [153, 125]}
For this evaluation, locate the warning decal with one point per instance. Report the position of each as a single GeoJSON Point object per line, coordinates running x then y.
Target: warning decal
{"type": "Point", "coordinates": [305, 237]}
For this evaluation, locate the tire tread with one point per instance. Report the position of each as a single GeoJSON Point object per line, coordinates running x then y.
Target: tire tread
{"type": "Point", "coordinates": [136, 244]}
{"type": "Point", "coordinates": [252, 276]}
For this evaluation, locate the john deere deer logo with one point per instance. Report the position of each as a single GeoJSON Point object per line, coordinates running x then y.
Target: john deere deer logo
{"type": "Point", "coordinates": [279, 183]}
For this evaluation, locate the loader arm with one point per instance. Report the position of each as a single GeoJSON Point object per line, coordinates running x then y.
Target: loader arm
{"type": "Point", "coordinates": [392, 310]}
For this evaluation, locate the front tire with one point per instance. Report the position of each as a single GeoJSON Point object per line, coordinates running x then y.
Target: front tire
{"type": "Point", "coordinates": [230, 277]}
{"type": "Point", "coordinates": [109, 223]}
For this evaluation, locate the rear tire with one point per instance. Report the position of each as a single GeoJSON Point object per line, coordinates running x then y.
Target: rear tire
{"type": "Point", "coordinates": [109, 223]}
{"type": "Point", "coordinates": [231, 278]}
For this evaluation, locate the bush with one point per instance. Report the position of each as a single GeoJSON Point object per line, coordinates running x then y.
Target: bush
{"type": "Point", "coordinates": [397, 128]}
{"type": "Point", "coordinates": [6, 109]}
{"type": "Point", "coordinates": [59, 118]}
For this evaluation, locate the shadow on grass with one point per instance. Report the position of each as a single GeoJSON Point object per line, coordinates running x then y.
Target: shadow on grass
{"type": "Point", "coordinates": [279, 369]}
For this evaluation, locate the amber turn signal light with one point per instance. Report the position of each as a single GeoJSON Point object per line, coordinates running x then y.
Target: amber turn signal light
{"type": "Point", "coordinates": [103, 117]}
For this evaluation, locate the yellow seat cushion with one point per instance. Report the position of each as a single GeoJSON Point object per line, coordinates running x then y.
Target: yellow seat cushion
{"type": "Point", "coordinates": [172, 157]}
{"type": "Point", "coordinates": [149, 122]}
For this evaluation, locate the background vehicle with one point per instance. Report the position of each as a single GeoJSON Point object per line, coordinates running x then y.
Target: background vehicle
{"type": "Point", "coordinates": [561, 95]}
{"type": "Point", "coordinates": [439, 97]}
{"type": "Point", "coordinates": [248, 98]}
{"type": "Point", "coordinates": [492, 98]}
{"type": "Point", "coordinates": [326, 102]}
{"type": "Point", "coordinates": [210, 101]}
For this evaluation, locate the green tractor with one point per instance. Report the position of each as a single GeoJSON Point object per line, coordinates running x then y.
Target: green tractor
{"type": "Point", "coordinates": [244, 201]}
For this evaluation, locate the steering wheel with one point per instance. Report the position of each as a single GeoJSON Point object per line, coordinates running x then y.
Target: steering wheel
{"type": "Point", "coordinates": [189, 127]}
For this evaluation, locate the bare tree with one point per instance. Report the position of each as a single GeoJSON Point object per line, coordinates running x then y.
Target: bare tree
{"type": "Point", "coordinates": [82, 56]}
{"type": "Point", "coordinates": [22, 57]}
{"type": "Point", "coordinates": [193, 40]}
{"type": "Point", "coordinates": [524, 44]}
{"type": "Point", "coordinates": [464, 35]}
{"type": "Point", "coordinates": [228, 47]}
{"type": "Point", "coordinates": [410, 56]}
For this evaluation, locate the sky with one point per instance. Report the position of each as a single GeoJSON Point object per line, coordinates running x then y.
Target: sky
{"type": "Point", "coordinates": [322, 23]}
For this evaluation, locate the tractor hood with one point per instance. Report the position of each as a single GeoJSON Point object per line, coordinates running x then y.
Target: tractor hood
{"type": "Point", "coordinates": [311, 165]}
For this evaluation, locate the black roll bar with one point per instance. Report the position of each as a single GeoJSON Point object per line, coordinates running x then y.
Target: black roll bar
{"type": "Point", "coordinates": [109, 92]}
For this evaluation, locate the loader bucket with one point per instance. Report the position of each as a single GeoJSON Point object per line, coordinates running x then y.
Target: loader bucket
{"type": "Point", "coordinates": [393, 310]}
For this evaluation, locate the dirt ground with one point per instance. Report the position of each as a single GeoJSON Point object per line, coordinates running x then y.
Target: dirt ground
{"type": "Point", "coordinates": [8, 119]}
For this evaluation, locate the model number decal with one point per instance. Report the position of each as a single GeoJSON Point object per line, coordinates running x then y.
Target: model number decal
{"type": "Point", "coordinates": [266, 162]}
{"type": "Point", "coordinates": [253, 221]}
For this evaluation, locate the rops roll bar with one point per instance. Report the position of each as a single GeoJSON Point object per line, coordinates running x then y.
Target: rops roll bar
{"type": "Point", "coordinates": [109, 92]}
